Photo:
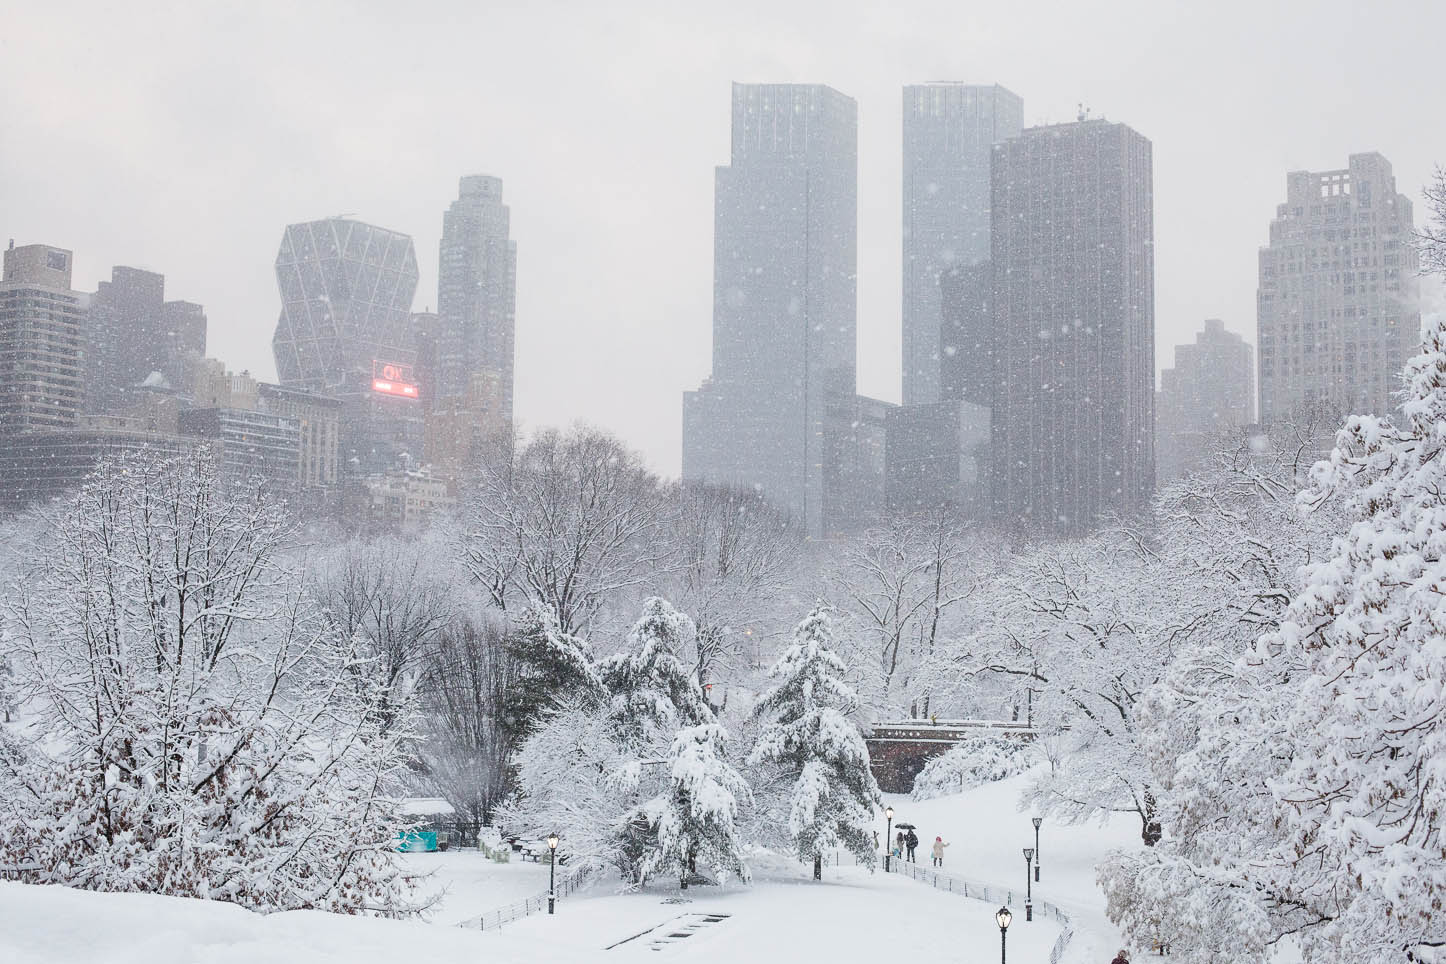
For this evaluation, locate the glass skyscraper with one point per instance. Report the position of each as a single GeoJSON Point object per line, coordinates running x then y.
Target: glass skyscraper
{"type": "Point", "coordinates": [346, 301]}
{"type": "Point", "coordinates": [949, 133]}
{"type": "Point", "coordinates": [1074, 326]}
{"type": "Point", "coordinates": [784, 300]}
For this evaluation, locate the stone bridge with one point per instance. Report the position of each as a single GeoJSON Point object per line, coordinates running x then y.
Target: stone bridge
{"type": "Point", "coordinates": [898, 751]}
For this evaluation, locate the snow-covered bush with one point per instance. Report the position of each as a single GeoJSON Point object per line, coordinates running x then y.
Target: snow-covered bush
{"type": "Point", "coordinates": [193, 726]}
{"type": "Point", "coordinates": [971, 763]}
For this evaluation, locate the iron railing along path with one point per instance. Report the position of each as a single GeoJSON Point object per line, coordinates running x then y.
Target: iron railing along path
{"type": "Point", "coordinates": [990, 893]}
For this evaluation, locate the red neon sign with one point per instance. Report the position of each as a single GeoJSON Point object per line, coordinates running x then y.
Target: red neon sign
{"type": "Point", "coordinates": [394, 388]}
{"type": "Point", "coordinates": [393, 378]}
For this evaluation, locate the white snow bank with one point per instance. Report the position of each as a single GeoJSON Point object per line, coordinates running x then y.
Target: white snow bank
{"type": "Point", "coordinates": [57, 925]}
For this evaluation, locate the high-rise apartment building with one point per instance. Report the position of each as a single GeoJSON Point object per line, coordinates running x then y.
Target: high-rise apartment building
{"type": "Point", "coordinates": [1209, 391]}
{"type": "Point", "coordinates": [949, 133]}
{"type": "Point", "coordinates": [42, 341]}
{"type": "Point", "coordinates": [136, 336]}
{"type": "Point", "coordinates": [475, 331]}
{"type": "Point", "coordinates": [784, 302]}
{"type": "Point", "coordinates": [1074, 325]}
{"type": "Point", "coordinates": [1338, 307]}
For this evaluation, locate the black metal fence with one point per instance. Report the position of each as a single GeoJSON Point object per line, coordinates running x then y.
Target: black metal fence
{"type": "Point", "coordinates": [990, 893]}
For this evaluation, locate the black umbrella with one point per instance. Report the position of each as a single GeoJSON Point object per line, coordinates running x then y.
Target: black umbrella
{"type": "Point", "coordinates": [905, 826]}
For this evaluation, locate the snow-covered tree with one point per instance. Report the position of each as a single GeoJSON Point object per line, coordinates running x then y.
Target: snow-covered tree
{"type": "Point", "coordinates": [389, 594]}
{"type": "Point", "coordinates": [901, 581]}
{"type": "Point", "coordinates": [695, 817]}
{"type": "Point", "coordinates": [651, 693]}
{"type": "Point", "coordinates": [809, 736]}
{"type": "Point", "coordinates": [1307, 800]}
{"type": "Point", "coordinates": [735, 555]}
{"type": "Point", "coordinates": [192, 726]}
{"type": "Point", "coordinates": [1073, 634]}
{"type": "Point", "coordinates": [971, 763]}
{"type": "Point", "coordinates": [568, 522]}
{"type": "Point", "coordinates": [638, 777]}
{"type": "Point", "coordinates": [466, 699]}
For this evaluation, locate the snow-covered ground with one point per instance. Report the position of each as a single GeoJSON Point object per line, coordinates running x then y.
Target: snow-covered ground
{"type": "Point", "coordinates": [851, 916]}
{"type": "Point", "coordinates": [987, 834]}
{"type": "Point", "coordinates": [466, 883]}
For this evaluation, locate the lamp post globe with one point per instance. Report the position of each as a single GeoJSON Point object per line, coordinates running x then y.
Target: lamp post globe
{"type": "Point", "coordinates": [551, 873]}
{"type": "Point", "coordinates": [1037, 821]}
{"type": "Point", "coordinates": [1002, 917]}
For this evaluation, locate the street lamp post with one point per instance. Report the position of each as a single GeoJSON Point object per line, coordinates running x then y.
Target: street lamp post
{"type": "Point", "coordinates": [888, 837]}
{"type": "Point", "coordinates": [551, 872]}
{"type": "Point", "coordinates": [1002, 917]}
{"type": "Point", "coordinates": [1028, 884]}
{"type": "Point", "coordinates": [1037, 861]}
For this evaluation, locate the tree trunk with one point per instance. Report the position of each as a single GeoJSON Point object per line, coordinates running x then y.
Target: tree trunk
{"type": "Point", "coordinates": [817, 867]}
{"type": "Point", "coordinates": [1150, 831]}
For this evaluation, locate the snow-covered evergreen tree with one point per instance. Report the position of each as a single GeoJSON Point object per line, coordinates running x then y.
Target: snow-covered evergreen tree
{"type": "Point", "coordinates": [833, 796]}
{"type": "Point", "coordinates": [695, 817]}
{"type": "Point", "coordinates": [651, 692]}
{"type": "Point", "coordinates": [1308, 803]}
{"type": "Point", "coordinates": [190, 726]}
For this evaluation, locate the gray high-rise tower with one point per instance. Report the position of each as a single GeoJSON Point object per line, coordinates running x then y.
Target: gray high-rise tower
{"type": "Point", "coordinates": [784, 303]}
{"type": "Point", "coordinates": [1209, 392]}
{"type": "Point", "coordinates": [949, 132]}
{"type": "Point", "coordinates": [1338, 306]}
{"type": "Point", "coordinates": [1074, 325]}
{"type": "Point", "coordinates": [476, 293]}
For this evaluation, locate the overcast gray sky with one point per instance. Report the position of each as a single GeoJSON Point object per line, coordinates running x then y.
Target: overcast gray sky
{"type": "Point", "coordinates": [182, 137]}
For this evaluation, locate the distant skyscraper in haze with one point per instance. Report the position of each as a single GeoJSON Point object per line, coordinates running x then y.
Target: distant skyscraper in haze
{"type": "Point", "coordinates": [949, 132]}
{"type": "Point", "coordinates": [135, 334]}
{"type": "Point", "coordinates": [1338, 307]}
{"type": "Point", "coordinates": [1074, 321]}
{"type": "Point", "coordinates": [346, 300]}
{"type": "Point", "coordinates": [784, 305]}
{"type": "Point", "coordinates": [42, 341]}
{"type": "Point", "coordinates": [1209, 391]}
{"type": "Point", "coordinates": [345, 331]}
{"type": "Point", "coordinates": [476, 292]}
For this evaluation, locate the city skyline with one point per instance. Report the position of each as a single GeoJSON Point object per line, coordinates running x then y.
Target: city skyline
{"type": "Point", "coordinates": [619, 261]}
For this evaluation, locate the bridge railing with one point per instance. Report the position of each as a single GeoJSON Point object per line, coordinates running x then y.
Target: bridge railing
{"type": "Point", "coordinates": [948, 730]}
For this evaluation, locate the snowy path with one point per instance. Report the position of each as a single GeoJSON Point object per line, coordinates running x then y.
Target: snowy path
{"type": "Point", "coordinates": [851, 915]}
{"type": "Point", "coordinates": [987, 834]}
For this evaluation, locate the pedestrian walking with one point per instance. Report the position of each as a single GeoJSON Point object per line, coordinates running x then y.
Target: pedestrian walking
{"type": "Point", "coordinates": [939, 846]}
{"type": "Point", "coordinates": [899, 844]}
{"type": "Point", "coordinates": [1121, 958]}
{"type": "Point", "coordinates": [912, 842]}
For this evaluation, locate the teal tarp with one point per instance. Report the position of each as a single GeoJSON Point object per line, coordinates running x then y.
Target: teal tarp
{"type": "Point", "coordinates": [417, 840]}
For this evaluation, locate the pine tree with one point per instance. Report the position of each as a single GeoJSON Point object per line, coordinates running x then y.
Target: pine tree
{"type": "Point", "coordinates": [651, 693]}
{"type": "Point", "coordinates": [696, 816]}
{"type": "Point", "coordinates": [834, 795]}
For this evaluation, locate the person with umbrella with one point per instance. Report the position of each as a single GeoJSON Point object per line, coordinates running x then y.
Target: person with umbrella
{"type": "Point", "coordinates": [910, 841]}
